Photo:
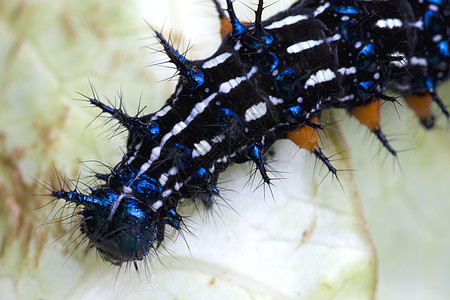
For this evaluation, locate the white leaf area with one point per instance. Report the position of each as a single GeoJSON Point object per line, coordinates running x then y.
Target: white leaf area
{"type": "Point", "coordinates": [379, 233]}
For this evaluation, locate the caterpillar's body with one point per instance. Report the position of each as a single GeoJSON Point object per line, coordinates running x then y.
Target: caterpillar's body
{"type": "Point", "coordinates": [267, 81]}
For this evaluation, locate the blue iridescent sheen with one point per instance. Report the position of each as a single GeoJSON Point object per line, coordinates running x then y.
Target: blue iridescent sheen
{"type": "Point", "coordinates": [230, 123]}
{"type": "Point", "coordinates": [267, 62]}
{"type": "Point", "coordinates": [142, 186]}
{"type": "Point", "coordinates": [437, 2]}
{"type": "Point", "coordinates": [352, 32]}
{"type": "Point", "coordinates": [254, 152]}
{"type": "Point", "coordinates": [433, 23]}
{"type": "Point", "coordinates": [367, 58]}
{"type": "Point", "coordinates": [146, 187]}
{"type": "Point", "coordinates": [365, 89]}
{"type": "Point", "coordinates": [207, 197]}
{"type": "Point", "coordinates": [293, 114]}
{"type": "Point", "coordinates": [346, 7]}
{"type": "Point", "coordinates": [123, 177]}
{"type": "Point", "coordinates": [103, 177]}
{"type": "Point", "coordinates": [192, 78]}
{"type": "Point", "coordinates": [133, 124]}
{"type": "Point", "coordinates": [214, 190]}
{"type": "Point", "coordinates": [427, 82]}
{"type": "Point", "coordinates": [205, 185]}
{"type": "Point", "coordinates": [147, 130]}
{"type": "Point", "coordinates": [174, 219]}
{"type": "Point", "coordinates": [258, 37]}
{"type": "Point", "coordinates": [125, 235]}
{"type": "Point", "coordinates": [287, 84]}
{"type": "Point", "coordinates": [257, 40]}
{"type": "Point", "coordinates": [199, 176]}
{"type": "Point", "coordinates": [181, 155]}
{"type": "Point", "coordinates": [80, 199]}
{"type": "Point", "coordinates": [237, 27]}
{"type": "Point", "coordinates": [440, 53]}
{"type": "Point", "coordinates": [129, 235]}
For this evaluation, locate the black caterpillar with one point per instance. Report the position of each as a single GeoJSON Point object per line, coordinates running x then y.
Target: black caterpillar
{"type": "Point", "coordinates": [267, 81]}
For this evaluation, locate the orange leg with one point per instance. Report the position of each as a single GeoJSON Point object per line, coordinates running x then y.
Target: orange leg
{"type": "Point", "coordinates": [369, 116]}
{"type": "Point", "coordinates": [307, 138]}
{"type": "Point", "coordinates": [421, 105]}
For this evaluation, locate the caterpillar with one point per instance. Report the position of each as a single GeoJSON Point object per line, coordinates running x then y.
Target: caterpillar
{"type": "Point", "coordinates": [269, 80]}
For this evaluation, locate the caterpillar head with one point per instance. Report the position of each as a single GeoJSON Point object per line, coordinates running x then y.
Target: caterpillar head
{"type": "Point", "coordinates": [120, 226]}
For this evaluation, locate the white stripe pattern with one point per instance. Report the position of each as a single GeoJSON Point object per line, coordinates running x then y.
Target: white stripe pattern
{"type": "Point", "coordinates": [301, 46]}
{"type": "Point", "coordinates": [321, 9]}
{"type": "Point", "coordinates": [389, 23]}
{"type": "Point", "coordinates": [286, 21]}
{"type": "Point", "coordinates": [256, 111]}
{"type": "Point", "coordinates": [202, 147]}
{"type": "Point", "coordinates": [198, 109]}
{"type": "Point", "coordinates": [219, 59]}
{"type": "Point", "coordinates": [319, 77]}
{"type": "Point", "coordinates": [347, 71]}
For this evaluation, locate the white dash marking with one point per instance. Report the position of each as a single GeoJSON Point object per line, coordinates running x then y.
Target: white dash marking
{"type": "Point", "coordinates": [396, 63]}
{"type": "Point", "coordinates": [286, 21]}
{"type": "Point", "coordinates": [389, 23]}
{"type": "Point", "coordinates": [334, 38]}
{"type": "Point", "coordinates": [173, 171]}
{"type": "Point", "coordinates": [157, 205]}
{"type": "Point", "coordinates": [127, 189]}
{"type": "Point", "coordinates": [202, 147]}
{"type": "Point", "coordinates": [177, 186]}
{"type": "Point", "coordinates": [319, 77]}
{"type": "Point", "coordinates": [163, 179]}
{"type": "Point", "coordinates": [227, 86]}
{"type": "Point", "coordinates": [252, 72]}
{"type": "Point", "coordinates": [347, 71]}
{"type": "Point", "coordinates": [165, 194]}
{"type": "Point", "coordinates": [178, 127]}
{"type": "Point", "coordinates": [346, 98]}
{"type": "Point", "coordinates": [275, 100]}
{"type": "Point", "coordinates": [178, 91]}
{"type": "Point", "coordinates": [216, 61]}
{"type": "Point", "coordinates": [321, 9]}
{"type": "Point", "coordinates": [418, 61]}
{"type": "Point", "coordinates": [437, 38]}
{"type": "Point", "coordinates": [199, 108]}
{"type": "Point", "coordinates": [130, 160]}
{"type": "Point", "coordinates": [222, 160]}
{"type": "Point", "coordinates": [237, 46]}
{"type": "Point", "coordinates": [155, 154]}
{"type": "Point", "coordinates": [138, 146]}
{"type": "Point", "coordinates": [115, 206]}
{"type": "Point", "coordinates": [256, 111]}
{"type": "Point", "coordinates": [218, 138]}
{"type": "Point", "coordinates": [161, 112]}
{"type": "Point", "coordinates": [418, 24]}
{"type": "Point", "coordinates": [299, 47]}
